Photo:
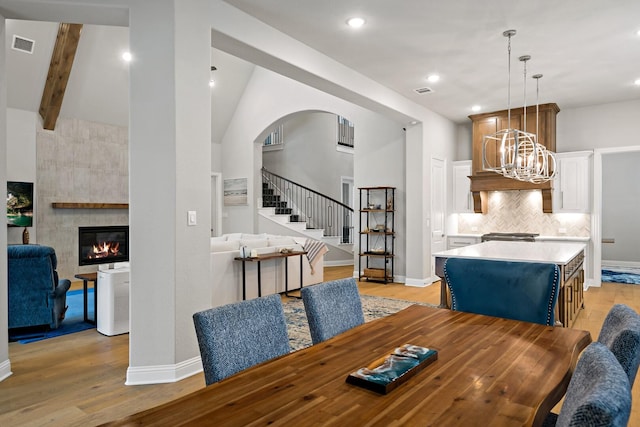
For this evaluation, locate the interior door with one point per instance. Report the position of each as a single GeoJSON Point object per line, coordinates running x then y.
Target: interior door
{"type": "Point", "coordinates": [438, 207]}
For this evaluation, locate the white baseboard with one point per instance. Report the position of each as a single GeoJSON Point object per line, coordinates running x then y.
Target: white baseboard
{"type": "Point", "coordinates": [611, 265]}
{"type": "Point", "coordinates": [338, 263]}
{"type": "Point", "coordinates": [5, 370]}
{"type": "Point", "coordinates": [421, 283]}
{"type": "Point", "coordinates": [590, 283]}
{"type": "Point", "coordinates": [161, 374]}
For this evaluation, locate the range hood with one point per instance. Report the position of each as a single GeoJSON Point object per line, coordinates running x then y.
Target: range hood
{"type": "Point", "coordinates": [482, 183]}
{"type": "Point", "coordinates": [488, 123]}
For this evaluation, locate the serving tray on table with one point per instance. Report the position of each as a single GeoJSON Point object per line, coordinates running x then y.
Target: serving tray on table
{"type": "Point", "coordinates": [388, 372]}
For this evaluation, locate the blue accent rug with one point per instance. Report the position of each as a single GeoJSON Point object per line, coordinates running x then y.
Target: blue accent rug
{"type": "Point", "coordinates": [620, 277]}
{"type": "Point", "coordinates": [73, 320]}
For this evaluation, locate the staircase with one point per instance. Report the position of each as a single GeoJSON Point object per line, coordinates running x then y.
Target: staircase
{"type": "Point", "coordinates": [306, 211]}
{"type": "Point", "coordinates": [279, 211]}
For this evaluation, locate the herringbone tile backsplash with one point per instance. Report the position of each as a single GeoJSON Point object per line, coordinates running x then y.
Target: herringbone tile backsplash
{"type": "Point", "coordinates": [521, 212]}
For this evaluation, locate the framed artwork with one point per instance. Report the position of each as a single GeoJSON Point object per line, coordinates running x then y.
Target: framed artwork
{"type": "Point", "coordinates": [19, 204]}
{"type": "Point", "coordinates": [235, 192]}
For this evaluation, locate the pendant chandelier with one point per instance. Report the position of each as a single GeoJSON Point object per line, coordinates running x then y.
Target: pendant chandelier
{"type": "Point", "coordinates": [516, 153]}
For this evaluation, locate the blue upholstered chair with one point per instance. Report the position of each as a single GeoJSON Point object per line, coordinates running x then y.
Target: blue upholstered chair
{"type": "Point", "coordinates": [599, 393]}
{"type": "Point", "coordinates": [36, 296]}
{"type": "Point", "coordinates": [237, 336]}
{"type": "Point", "coordinates": [621, 334]}
{"type": "Point", "coordinates": [332, 308]}
{"type": "Point", "coordinates": [512, 290]}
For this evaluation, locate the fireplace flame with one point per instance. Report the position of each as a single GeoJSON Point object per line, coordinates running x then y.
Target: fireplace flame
{"type": "Point", "coordinates": [105, 250]}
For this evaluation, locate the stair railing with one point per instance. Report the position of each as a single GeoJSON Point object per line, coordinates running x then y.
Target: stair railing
{"type": "Point", "coordinates": [312, 207]}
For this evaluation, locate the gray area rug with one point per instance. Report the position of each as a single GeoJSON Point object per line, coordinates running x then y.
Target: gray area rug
{"type": "Point", "coordinates": [373, 308]}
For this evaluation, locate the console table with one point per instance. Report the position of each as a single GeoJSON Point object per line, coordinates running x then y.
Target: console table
{"type": "Point", "coordinates": [265, 257]}
{"type": "Point", "coordinates": [90, 277]}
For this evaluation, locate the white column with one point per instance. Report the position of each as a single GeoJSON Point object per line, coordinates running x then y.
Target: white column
{"type": "Point", "coordinates": [170, 156]}
{"type": "Point", "coordinates": [5, 365]}
{"type": "Point", "coordinates": [418, 240]}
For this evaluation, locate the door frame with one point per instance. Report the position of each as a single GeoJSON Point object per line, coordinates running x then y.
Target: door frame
{"type": "Point", "coordinates": [216, 183]}
{"type": "Point", "coordinates": [596, 216]}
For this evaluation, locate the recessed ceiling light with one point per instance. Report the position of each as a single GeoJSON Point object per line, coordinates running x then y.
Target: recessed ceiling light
{"type": "Point", "coordinates": [355, 22]}
{"type": "Point", "coordinates": [433, 78]}
{"type": "Point", "coordinates": [212, 83]}
{"type": "Point", "coordinates": [476, 108]}
{"type": "Point", "coordinates": [127, 56]}
{"type": "Point", "coordinates": [637, 82]}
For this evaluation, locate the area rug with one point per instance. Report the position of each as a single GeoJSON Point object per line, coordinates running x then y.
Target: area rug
{"type": "Point", "coordinates": [620, 277]}
{"type": "Point", "coordinates": [73, 321]}
{"type": "Point", "coordinates": [373, 308]}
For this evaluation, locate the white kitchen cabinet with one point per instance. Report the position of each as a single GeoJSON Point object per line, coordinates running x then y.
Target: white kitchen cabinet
{"type": "Point", "coordinates": [462, 200]}
{"type": "Point", "coordinates": [572, 184]}
{"type": "Point", "coordinates": [454, 242]}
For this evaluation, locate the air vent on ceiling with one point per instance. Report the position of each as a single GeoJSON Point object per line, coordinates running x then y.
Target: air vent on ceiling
{"type": "Point", "coordinates": [22, 44]}
{"type": "Point", "coordinates": [422, 90]}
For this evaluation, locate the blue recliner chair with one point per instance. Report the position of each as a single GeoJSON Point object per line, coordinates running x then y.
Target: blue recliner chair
{"type": "Point", "coordinates": [36, 296]}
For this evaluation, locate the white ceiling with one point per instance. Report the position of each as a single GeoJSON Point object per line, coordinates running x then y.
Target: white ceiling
{"type": "Point", "coordinates": [588, 51]}
{"type": "Point", "coordinates": [98, 87]}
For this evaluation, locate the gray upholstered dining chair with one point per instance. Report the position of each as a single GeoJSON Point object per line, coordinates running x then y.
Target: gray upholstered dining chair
{"type": "Point", "coordinates": [598, 394]}
{"type": "Point", "coordinates": [332, 308]}
{"type": "Point", "coordinates": [237, 336]}
{"type": "Point", "coordinates": [621, 334]}
{"type": "Point", "coordinates": [525, 291]}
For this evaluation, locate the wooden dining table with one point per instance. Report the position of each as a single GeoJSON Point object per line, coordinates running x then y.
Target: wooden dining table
{"type": "Point", "coordinates": [489, 372]}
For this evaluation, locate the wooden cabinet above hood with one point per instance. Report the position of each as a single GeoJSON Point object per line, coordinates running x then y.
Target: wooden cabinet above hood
{"type": "Point", "coordinates": [487, 123]}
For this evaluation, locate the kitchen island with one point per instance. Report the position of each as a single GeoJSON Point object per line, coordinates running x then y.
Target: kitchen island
{"type": "Point", "coordinates": [569, 257]}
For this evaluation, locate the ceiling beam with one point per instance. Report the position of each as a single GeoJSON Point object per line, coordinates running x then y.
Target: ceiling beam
{"type": "Point", "coordinates": [62, 58]}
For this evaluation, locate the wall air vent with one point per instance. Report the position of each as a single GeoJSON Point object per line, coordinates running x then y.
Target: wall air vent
{"type": "Point", "coordinates": [22, 44]}
{"type": "Point", "coordinates": [423, 90]}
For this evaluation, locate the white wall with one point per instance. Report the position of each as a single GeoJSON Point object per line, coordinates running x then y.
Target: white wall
{"type": "Point", "coordinates": [21, 161]}
{"type": "Point", "coordinates": [379, 142]}
{"type": "Point", "coordinates": [598, 126]}
{"type": "Point", "coordinates": [5, 364]}
{"type": "Point", "coordinates": [309, 155]}
{"type": "Point", "coordinates": [620, 207]}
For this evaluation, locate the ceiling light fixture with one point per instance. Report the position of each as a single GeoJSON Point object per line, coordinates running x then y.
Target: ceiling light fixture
{"type": "Point", "coordinates": [516, 153]}
{"type": "Point", "coordinates": [637, 82]}
{"type": "Point", "coordinates": [433, 78]}
{"type": "Point", "coordinates": [476, 108]}
{"type": "Point", "coordinates": [355, 22]}
{"type": "Point", "coordinates": [127, 56]}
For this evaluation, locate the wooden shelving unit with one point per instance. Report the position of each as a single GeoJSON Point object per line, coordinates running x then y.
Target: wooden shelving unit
{"type": "Point", "coordinates": [377, 234]}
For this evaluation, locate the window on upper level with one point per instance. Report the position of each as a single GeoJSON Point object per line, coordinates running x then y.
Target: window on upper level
{"type": "Point", "coordinates": [345, 133]}
{"type": "Point", "coordinates": [275, 140]}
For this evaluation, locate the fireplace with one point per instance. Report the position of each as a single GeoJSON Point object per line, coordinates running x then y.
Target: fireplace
{"type": "Point", "coordinates": [103, 245]}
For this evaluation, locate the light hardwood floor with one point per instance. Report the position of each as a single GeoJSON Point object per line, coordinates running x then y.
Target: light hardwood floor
{"type": "Point", "coordinates": [78, 379]}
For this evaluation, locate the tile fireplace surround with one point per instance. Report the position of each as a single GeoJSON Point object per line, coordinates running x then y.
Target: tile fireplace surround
{"type": "Point", "coordinates": [72, 162]}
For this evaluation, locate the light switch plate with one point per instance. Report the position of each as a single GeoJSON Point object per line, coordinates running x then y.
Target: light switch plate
{"type": "Point", "coordinates": [192, 218]}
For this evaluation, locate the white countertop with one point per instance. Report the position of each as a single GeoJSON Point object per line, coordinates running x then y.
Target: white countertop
{"type": "Point", "coordinates": [564, 238]}
{"type": "Point", "coordinates": [541, 251]}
